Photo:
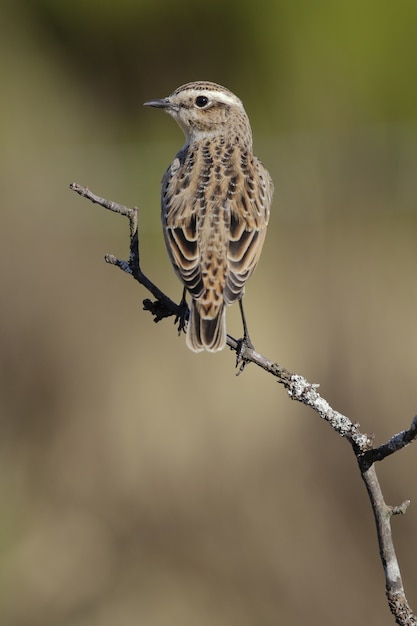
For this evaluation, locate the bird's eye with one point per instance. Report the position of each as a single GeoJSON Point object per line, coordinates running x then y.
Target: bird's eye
{"type": "Point", "coordinates": [201, 101]}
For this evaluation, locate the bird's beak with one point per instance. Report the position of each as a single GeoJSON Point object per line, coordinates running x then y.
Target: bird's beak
{"type": "Point", "coordinates": [164, 103]}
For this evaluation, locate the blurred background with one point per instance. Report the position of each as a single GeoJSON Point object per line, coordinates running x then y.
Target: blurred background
{"type": "Point", "coordinates": [144, 484]}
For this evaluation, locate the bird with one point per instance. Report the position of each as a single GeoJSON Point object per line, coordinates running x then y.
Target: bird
{"type": "Point", "coordinates": [215, 206]}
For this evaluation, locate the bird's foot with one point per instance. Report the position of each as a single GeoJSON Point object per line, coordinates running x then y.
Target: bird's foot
{"type": "Point", "coordinates": [243, 345]}
{"type": "Point", "coordinates": [183, 315]}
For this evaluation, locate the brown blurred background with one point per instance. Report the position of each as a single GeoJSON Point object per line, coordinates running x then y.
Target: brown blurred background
{"type": "Point", "coordinates": [144, 484]}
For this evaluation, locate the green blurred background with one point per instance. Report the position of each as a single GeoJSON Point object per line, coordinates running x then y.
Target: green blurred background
{"type": "Point", "coordinates": [144, 484]}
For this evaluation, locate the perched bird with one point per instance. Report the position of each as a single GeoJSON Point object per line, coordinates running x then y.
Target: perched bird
{"type": "Point", "coordinates": [215, 206]}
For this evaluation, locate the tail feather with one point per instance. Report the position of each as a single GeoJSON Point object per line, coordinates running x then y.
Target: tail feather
{"type": "Point", "coordinates": [206, 333]}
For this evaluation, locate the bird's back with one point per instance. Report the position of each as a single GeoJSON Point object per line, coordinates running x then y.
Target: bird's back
{"type": "Point", "coordinates": [215, 208]}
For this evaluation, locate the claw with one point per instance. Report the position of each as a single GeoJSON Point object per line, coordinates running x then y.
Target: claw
{"type": "Point", "coordinates": [243, 344]}
{"type": "Point", "coordinates": [184, 314]}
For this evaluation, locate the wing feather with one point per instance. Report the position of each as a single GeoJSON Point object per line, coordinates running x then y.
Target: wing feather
{"type": "Point", "coordinates": [179, 219]}
{"type": "Point", "coordinates": [249, 219]}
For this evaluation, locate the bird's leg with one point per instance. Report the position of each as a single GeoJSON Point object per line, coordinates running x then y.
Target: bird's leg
{"type": "Point", "coordinates": [183, 317]}
{"type": "Point", "coordinates": [244, 343]}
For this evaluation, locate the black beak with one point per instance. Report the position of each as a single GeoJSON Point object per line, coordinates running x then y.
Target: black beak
{"type": "Point", "coordinates": [164, 103]}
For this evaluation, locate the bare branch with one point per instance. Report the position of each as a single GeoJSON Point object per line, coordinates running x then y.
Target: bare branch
{"type": "Point", "coordinates": [300, 389]}
{"type": "Point", "coordinates": [396, 443]}
{"type": "Point", "coordinates": [165, 307]}
{"type": "Point", "coordinates": [393, 582]}
{"type": "Point", "coordinates": [401, 509]}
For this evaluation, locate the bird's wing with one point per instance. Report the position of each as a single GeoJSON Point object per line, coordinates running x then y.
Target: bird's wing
{"type": "Point", "coordinates": [179, 219]}
{"type": "Point", "coordinates": [250, 208]}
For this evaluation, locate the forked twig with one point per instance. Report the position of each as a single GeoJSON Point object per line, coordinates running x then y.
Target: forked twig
{"type": "Point", "coordinates": [298, 388]}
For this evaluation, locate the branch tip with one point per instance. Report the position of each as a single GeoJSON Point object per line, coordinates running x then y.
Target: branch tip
{"type": "Point", "coordinates": [401, 509]}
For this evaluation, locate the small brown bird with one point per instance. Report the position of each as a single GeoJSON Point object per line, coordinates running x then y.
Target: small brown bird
{"type": "Point", "coordinates": [216, 197]}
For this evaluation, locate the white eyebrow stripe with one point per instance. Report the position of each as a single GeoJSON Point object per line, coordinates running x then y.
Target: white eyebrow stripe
{"type": "Point", "coordinates": [216, 95]}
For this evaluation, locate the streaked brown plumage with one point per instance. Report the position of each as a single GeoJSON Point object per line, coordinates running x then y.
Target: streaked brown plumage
{"type": "Point", "coordinates": [216, 197]}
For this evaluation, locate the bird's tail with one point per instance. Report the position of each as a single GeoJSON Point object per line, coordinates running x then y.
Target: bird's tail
{"type": "Point", "coordinates": [206, 333]}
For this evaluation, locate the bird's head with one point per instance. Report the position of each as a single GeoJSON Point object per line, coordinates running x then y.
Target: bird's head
{"type": "Point", "coordinates": [204, 110]}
